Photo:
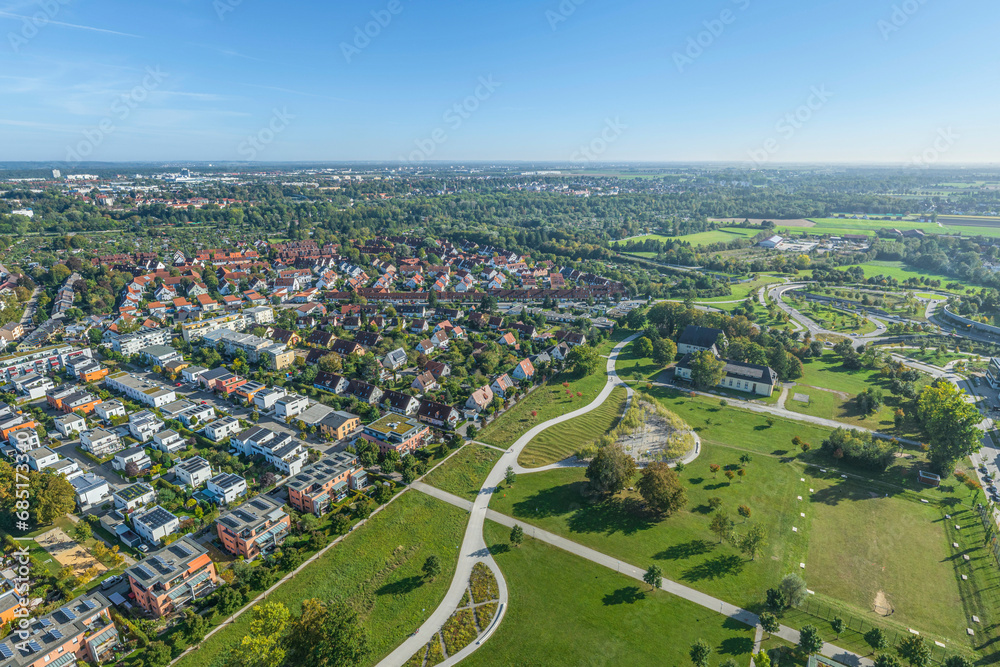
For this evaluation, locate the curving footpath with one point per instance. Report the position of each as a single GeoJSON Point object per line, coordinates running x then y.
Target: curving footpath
{"type": "Point", "coordinates": [474, 549]}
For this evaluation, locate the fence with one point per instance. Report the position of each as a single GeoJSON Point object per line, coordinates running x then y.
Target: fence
{"type": "Point", "coordinates": [989, 524]}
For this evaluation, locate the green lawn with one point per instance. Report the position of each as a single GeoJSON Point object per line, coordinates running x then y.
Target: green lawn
{"type": "Point", "coordinates": [723, 235]}
{"type": "Point", "coordinates": [834, 319]}
{"type": "Point", "coordinates": [900, 272]}
{"type": "Point", "coordinates": [563, 440]}
{"type": "Point", "coordinates": [464, 473]}
{"type": "Point", "coordinates": [376, 569]}
{"type": "Point", "coordinates": [933, 357]}
{"type": "Point", "coordinates": [565, 610]}
{"type": "Point", "coordinates": [682, 544]}
{"type": "Point", "coordinates": [742, 290]}
{"type": "Point", "coordinates": [548, 401]}
{"type": "Point", "coordinates": [863, 543]}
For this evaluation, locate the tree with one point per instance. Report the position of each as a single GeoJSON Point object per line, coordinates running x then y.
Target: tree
{"type": "Point", "coordinates": [584, 358]}
{"type": "Point", "coordinates": [516, 535]}
{"type": "Point", "coordinates": [509, 476]}
{"type": "Point", "coordinates": [730, 475]}
{"type": "Point", "coordinates": [432, 567]}
{"type": "Point", "coordinates": [714, 503]}
{"type": "Point", "coordinates": [707, 370]}
{"type": "Point", "coordinates": [886, 660]}
{"type": "Point", "coordinates": [876, 639]}
{"type": "Point", "coordinates": [653, 577]}
{"type": "Point", "coordinates": [914, 650]}
{"type": "Point", "coordinates": [745, 459]}
{"type": "Point", "coordinates": [700, 652]}
{"type": "Point", "coordinates": [611, 470]}
{"type": "Point", "coordinates": [837, 625]}
{"type": "Point", "coordinates": [664, 351]}
{"type": "Point", "coordinates": [794, 588]}
{"type": "Point", "coordinates": [809, 640]}
{"type": "Point", "coordinates": [82, 531]}
{"type": "Point", "coordinates": [263, 645]}
{"type": "Point", "coordinates": [722, 526]}
{"type": "Point", "coordinates": [52, 497]}
{"type": "Point", "coordinates": [869, 401]}
{"type": "Point", "coordinates": [195, 626]}
{"type": "Point", "coordinates": [157, 654]}
{"type": "Point", "coordinates": [753, 542]}
{"type": "Point", "coordinates": [661, 488]}
{"type": "Point", "coordinates": [327, 635]}
{"type": "Point", "coordinates": [644, 347]}
{"type": "Point", "coordinates": [776, 599]}
{"type": "Point", "coordinates": [714, 467]}
{"type": "Point", "coordinates": [744, 511]}
{"type": "Point", "coordinates": [769, 623]}
{"type": "Point", "coordinates": [131, 469]}
{"type": "Point", "coordinates": [953, 424]}
{"type": "Point", "coordinates": [957, 661]}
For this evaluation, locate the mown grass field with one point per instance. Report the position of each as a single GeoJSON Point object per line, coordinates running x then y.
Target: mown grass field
{"type": "Point", "coordinates": [849, 226]}
{"type": "Point", "coordinates": [565, 610]}
{"type": "Point", "coordinates": [547, 401]}
{"type": "Point", "coordinates": [722, 235]}
{"type": "Point", "coordinates": [741, 291]}
{"type": "Point", "coordinates": [376, 569]}
{"type": "Point", "coordinates": [856, 532]}
{"type": "Point", "coordinates": [833, 319]}
{"type": "Point", "coordinates": [901, 272]}
{"type": "Point", "coordinates": [563, 440]}
{"type": "Point", "coordinates": [464, 473]}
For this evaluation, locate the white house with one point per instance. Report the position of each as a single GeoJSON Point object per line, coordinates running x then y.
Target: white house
{"type": "Point", "coordinates": [109, 409]}
{"type": "Point", "coordinates": [99, 442]}
{"type": "Point", "coordinates": [289, 406]}
{"type": "Point", "coordinates": [41, 458]}
{"type": "Point", "coordinates": [155, 524]}
{"type": "Point", "coordinates": [226, 487]}
{"type": "Point", "coordinates": [192, 373]}
{"type": "Point", "coordinates": [169, 441]}
{"type": "Point", "coordinates": [395, 359]}
{"type": "Point", "coordinates": [134, 496]}
{"type": "Point", "coordinates": [143, 425]}
{"type": "Point", "coordinates": [222, 428]}
{"type": "Point", "coordinates": [90, 489]}
{"type": "Point", "coordinates": [193, 472]}
{"type": "Point", "coordinates": [136, 455]}
{"type": "Point", "coordinates": [265, 399]}
{"type": "Point", "coordinates": [196, 414]}
{"type": "Point", "coordinates": [71, 424]}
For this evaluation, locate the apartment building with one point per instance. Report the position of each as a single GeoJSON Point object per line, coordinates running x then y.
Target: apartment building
{"type": "Point", "coordinates": [99, 442]}
{"type": "Point", "coordinates": [168, 579]}
{"type": "Point", "coordinates": [195, 331]}
{"type": "Point", "coordinates": [280, 450]}
{"type": "Point", "coordinates": [396, 432]}
{"type": "Point", "coordinates": [154, 524]}
{"type": "Point", "coordinates": [325, 482]}
{"type": "Point", "coordinates": [225, 488]}
{"type": "Point", "coordinates": [254, 527]}
{"type": "Point", "coordinates": [42, 361]}
{"type": "Point", "coordinates": [130, 344]}
{"type": "Point", "coordinates": [81, 630]}
{"type": "Point", "coordinates": [140, 390]}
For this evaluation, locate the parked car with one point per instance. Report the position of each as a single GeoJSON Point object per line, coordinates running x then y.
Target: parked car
{"type": "Point", "coordinates": [110, 581]}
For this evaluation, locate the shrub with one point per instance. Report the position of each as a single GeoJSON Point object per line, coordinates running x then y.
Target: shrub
{"type": "Point", "coordinates": [860, 449]}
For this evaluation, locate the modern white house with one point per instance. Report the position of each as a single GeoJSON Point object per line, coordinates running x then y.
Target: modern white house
{"type": "Point", "coordinates": [90, 489]}
{"type": "Point", "coordinates": [136, 455]}
{"type": "Point", "coordinates": [169, 441]}
{"type": "Point", "coordinates": [41, 458]}
{"type": "Point", "coordinates": [99, 442]}
{"type": "Point", "coordinates": [266, 398]}
{"type": "Point", "coordinates": [192, 373]}
{"type": "Point", "coordinates": [222, 428]}
{"type": "Point", "coordinates": [133, 497]}
{"type": "Point", "coordinates": [143, 425]}
{"type": "Point", "coordinates": [155, 524]}
{"type": "Point", "coordinates": [289, 406]}
{"type": "Point", "coordinates": [193, 472]}
{"type": "Point", "coordinates": [70, 425]}
{"type": "Point", "coordinates": [109, 409]}
{"type": "Point", "coordinates": [226, 488]}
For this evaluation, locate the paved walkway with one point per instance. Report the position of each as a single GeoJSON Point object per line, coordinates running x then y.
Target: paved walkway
{"type": "Point", "coordinates": [474, 548]}
{"type": "Point", "coordinates": [731, 611]}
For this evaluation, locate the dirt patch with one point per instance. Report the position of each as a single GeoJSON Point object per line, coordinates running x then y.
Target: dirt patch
{"type": "Point", "coordinates": [882, 606]}
{"type": "Point", "coordinates": [67, 552]}
{"type": "Point", "coordinates": [800, 222]}
{"type": "Point", "coordinates": [658, 435]}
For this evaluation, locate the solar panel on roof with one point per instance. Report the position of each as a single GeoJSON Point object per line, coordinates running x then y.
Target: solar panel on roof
{"type": "Point", "coordinates": [33, 646]}
{"type": "Point", "coordinates": [6, 652]}
{"type": "Point", "coordinates": [69, 613]}
{"type": "Point", "coordinates": [45, 622]}
{"type": "Point", "coordinates": [90, 604]}
{"type": "Point", "coordinates": [55, 633]}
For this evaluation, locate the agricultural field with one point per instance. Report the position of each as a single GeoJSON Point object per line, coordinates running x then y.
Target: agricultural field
{"type": "Point", "coordinates": [568, 611]}
{"type": "Point", "coordinates": [964, 225]}
{"type": "Point", "coordinates": [723, 235]}
{"type": "Point", "coordinates": [464, 473]}
{"type": "Point", "coordinates": [564, 440]}
{"type": "Point", "coordinates": [376, 569]}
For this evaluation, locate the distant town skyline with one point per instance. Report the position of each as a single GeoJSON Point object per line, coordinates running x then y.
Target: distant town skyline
{"type": "Point", "coordinates": [571, 82]}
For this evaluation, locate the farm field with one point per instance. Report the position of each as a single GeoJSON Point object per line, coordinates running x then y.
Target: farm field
{"type": "Point", "coordinates": [701, 238]}
{"type": "Point", "coordinates": [376, 569]}
{"type": "Point", "coordinates": [563, 440]}
{"type": "Point", "coordinates": [565, 610]}
{"type": "Point", "coordinates": [964, 225]}
{"type": "Point", "coordinates": [464, 473]}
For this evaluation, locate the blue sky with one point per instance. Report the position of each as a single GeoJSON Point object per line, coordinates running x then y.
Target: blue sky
{"type": "Point", "coordinates": [610, 80]}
